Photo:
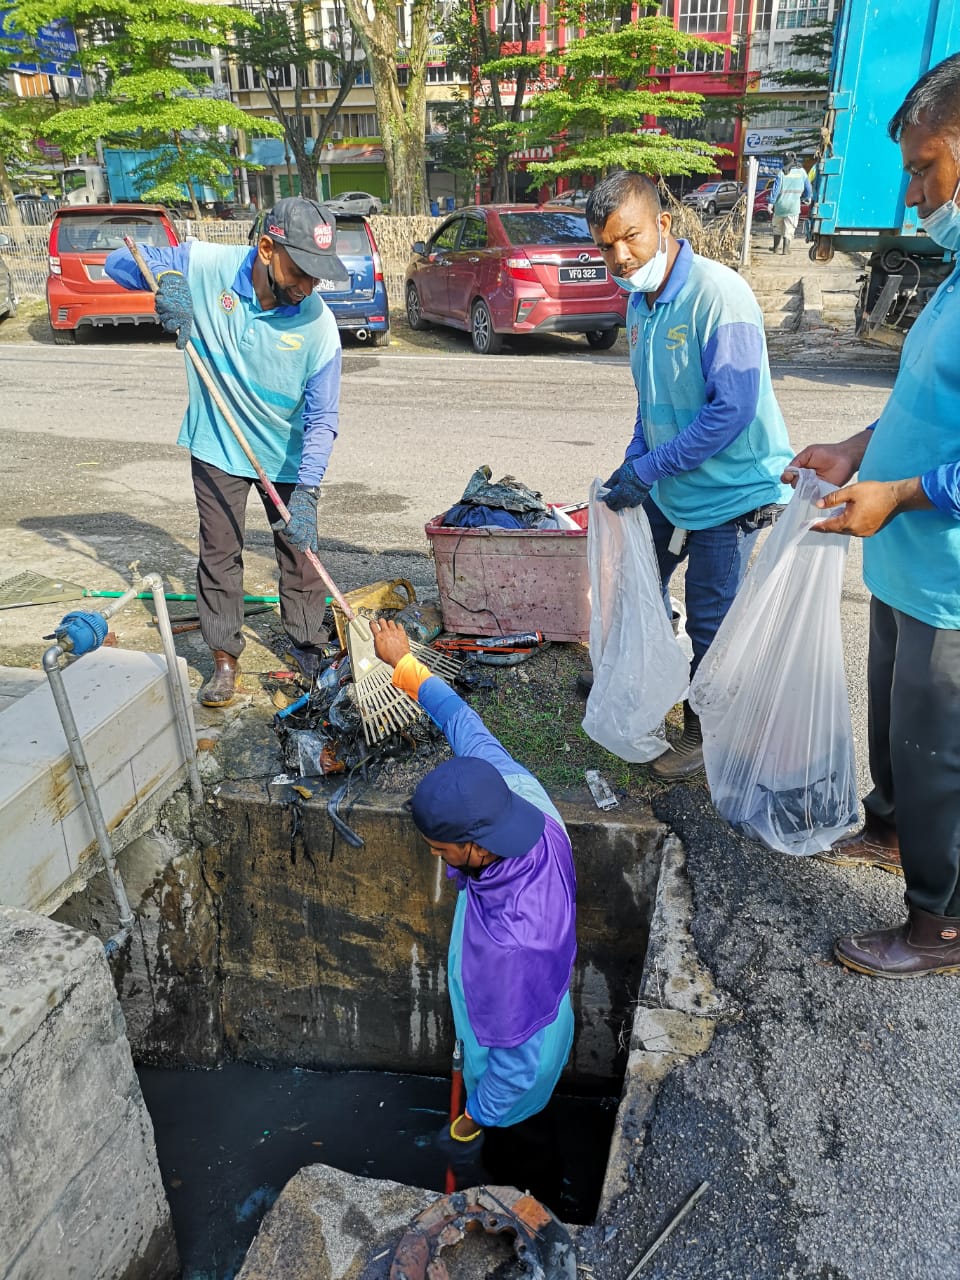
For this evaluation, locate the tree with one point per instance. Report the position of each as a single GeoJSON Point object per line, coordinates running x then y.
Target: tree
{"type": "Point", "coordinates": [22, 120]}
{"type": "Point", "coordinates": [145, 99]}
{"type": "Point", "coordinates": [603, 96]}
{"type": "Point", "coordinates": [283, 38]}
{"type": "Point", "coordinates": [380, 25]}
{"type": "Point", "coordinates": [475, 49]}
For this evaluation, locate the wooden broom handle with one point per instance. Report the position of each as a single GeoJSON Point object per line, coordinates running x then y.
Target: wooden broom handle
{"type": "Point", "coordinates": [206, 378]}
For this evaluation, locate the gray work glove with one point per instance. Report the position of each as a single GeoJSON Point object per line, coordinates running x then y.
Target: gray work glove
{"type": "Point", "coordinates": [626, 488]}
{"type": "Point", "coordinates": [302, 529]}
{"type": "Point", "coordinates": [174, 306]}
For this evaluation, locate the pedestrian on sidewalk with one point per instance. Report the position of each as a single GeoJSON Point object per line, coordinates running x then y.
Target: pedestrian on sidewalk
{"type": "Point", "coordinates": [513, 940]}
{"type": "Point", "coordinates": [274, 349]}
{"type": "Point", "coordinates": [790, 189]}
{"type": "Point", "coordinates": [906, 506]}
{"type": "Point", "coordinates": [709, 440]}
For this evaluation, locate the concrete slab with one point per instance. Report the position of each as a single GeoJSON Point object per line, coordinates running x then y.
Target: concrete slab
{"type": "Point", "coordinates": [121, 702]}
{"type": "Point", "coordinates": [80, 1191]}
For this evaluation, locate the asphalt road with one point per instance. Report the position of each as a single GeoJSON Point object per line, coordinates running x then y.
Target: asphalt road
{"type": "Point", "coordinates": [92, 478]}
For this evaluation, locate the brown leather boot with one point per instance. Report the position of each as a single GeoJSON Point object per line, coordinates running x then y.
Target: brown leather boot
{"type": "Point", "coordinates": [874, 845]}
{"type": "Point", "coordinates": [686, 758]}
{"type": "Point", "coordinates": [924, 944]}
{"type": "Point", "coordinates": [220, 689]}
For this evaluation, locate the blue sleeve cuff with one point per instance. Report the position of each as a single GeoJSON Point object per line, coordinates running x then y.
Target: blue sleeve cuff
{"type": "Point", "coordinates": [942, 487]}
{"type": "Point", "coordinates": [321, 420]}
{"type": "Point", "coordinates": [509, 1075]}
{"type": "Point", "coordinates": [121, 267]}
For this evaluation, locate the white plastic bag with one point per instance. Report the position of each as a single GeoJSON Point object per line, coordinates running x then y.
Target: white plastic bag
{"type": "Point", "coordinates": [639, 671]}
{"type": "Point", "coordinates": [771, 692]}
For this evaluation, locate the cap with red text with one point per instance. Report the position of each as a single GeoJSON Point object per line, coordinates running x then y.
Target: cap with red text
{"type": "Point", "coordinates": [308, 232]}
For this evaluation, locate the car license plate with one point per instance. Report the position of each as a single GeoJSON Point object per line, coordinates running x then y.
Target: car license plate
{"type": "Point", "coordinates": [581, 275]}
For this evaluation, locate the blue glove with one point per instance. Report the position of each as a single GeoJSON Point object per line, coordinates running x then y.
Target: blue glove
{"type": "Point", "coordinates": [302, 530]}
{"type": "Point", "coordinates": [626, 488]}
{"type": "Point", "coordinates": [174, 306]}
{"type": "Point", "coordinates": [462, 1155]}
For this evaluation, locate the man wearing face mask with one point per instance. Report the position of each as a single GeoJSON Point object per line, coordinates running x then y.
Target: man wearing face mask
{"type": "Point", "coordinates": [513, 939]}
{"type": "Point", "coordinates": [274, 349]}
{"type": "Point", "coordinates": [906, 507]}
{"type": "Point", "coordinates": [709, 440]}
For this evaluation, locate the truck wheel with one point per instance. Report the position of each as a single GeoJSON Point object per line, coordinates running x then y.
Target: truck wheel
{"type": "Point", "coordinates": [486, 341]}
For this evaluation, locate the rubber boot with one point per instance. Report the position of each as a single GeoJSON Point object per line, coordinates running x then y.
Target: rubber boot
{"type": "Point", "coordinates": [874, 845]}
{"type": "Point", "coordinates": [924, 944]}
{"type": "Point", "coordinates": [220, 689]}
{"type": "Point", "coordinates": [686, 758]}
{"type": "Point", "coordinates": [776, 244]}
{"type": "Point", "coordinates": [786, 245]}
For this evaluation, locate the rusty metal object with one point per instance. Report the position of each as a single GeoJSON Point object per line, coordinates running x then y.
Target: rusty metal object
{"type": "Point", "coordinates": [541, 1242]}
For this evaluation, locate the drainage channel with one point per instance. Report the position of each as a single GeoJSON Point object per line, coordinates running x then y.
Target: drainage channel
{"type": "Point", "coordinates": [229, 1140]}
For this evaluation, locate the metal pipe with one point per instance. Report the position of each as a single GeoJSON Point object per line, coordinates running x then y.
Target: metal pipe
{"type": "Point", "coordinates": [51, 665]}
{"type": "Point", "coordinates": [121, 602]}
{"type": "Point", "coordinates": [362, 335]}
{"type": "Point", "coordinates": [180, 711]}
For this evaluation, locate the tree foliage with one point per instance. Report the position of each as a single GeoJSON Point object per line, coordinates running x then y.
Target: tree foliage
{"type": "Point", "coordinates": [284, 36]}
{"type": "Point", "coordinates": [146, 96]}
{"type": "Point", "coordinates": [598, 104]}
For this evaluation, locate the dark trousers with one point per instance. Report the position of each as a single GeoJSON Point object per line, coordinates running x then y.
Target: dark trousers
{"type": "Point", "coordinates": [717, 559]}
{"type": "Point", "coordinates": [222, 507]}
{"type": "Point", "coordinates": [527, 1156]}
{"type": "Point", "coordinates": [913, 686]}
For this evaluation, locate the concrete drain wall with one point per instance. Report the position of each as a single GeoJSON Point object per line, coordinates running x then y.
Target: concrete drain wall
{"type": "Point", "coordinates": [264, 937]}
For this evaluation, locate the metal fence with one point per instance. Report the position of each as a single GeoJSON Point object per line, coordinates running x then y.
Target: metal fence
{"type": "Point", "coordinates": [26, 255]}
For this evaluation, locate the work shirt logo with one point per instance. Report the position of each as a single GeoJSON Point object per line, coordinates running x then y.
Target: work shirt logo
{"type": "Point", "coordinates": [634, 334]}
{"type": "Point", "coordinates": [227, 302]}
{"type": "Point", "coordinates": [677, 336]}
{"type": "Point", "coordinates": [323, 235]}
{"type": "Point", "coordinates": [290, 341]}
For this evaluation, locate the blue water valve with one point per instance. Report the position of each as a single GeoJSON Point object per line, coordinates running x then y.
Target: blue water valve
{"type": "Point", "coordinates": [81, 632]}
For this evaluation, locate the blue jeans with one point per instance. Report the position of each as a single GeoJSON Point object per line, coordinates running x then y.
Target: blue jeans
{"type": "Point", "coordinates": [717, 560]}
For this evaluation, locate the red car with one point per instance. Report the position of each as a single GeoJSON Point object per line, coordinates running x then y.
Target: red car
{"type": "Point", "coordinates": [79, 293]}
{"type": "Point", "coordinates": [513, 269]}
{"type": "Point", "coordinates": [761, 204]}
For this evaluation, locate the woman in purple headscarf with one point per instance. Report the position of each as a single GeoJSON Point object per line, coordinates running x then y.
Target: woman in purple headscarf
{"type": "Point", "coordinates": [513, 940]}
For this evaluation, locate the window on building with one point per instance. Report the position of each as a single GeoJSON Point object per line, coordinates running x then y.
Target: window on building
{"type": "Point", "coordinates": [702, 15]}
{"type": "Point", "coordinates": [701, 61]}
{"type": "Point", "coordinates": [357, 124]}
{"type": "Point", "coordinates": [515, 16]}
{"type": "Point", "coordinates": [440, 73]}
{"type": "Point", "coordinates": [763, 15]}
{"type": "Point", "coordinates": [801, 13]}
{"type": "Point", "coordinates": [250, 78]}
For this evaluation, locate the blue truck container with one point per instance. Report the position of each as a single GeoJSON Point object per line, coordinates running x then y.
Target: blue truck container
{"type": "Point", "coordinates": [880, 50]}
{"type": "Point", "coordinates": [122, 167]}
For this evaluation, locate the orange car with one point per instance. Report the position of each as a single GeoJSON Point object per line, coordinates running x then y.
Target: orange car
{"type": "Point", "coordinates": [79, 293]}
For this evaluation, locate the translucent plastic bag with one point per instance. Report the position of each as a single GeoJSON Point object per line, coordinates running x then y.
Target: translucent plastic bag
{"type": "Point", "coordinates": [772, 695]}
{"type": "Point", "coordinates": [639, 671]}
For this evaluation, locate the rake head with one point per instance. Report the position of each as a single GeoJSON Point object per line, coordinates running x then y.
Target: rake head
{"type": "Point", "coordinates": [384, 709]}
{"type": "Point", "coordinates": [440, 664]}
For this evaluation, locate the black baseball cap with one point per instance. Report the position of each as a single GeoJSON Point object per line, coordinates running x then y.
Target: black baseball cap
{"type": "Point", "coordinates": [308, 232]}
{"type": "Point", "coordinates": [467, 799]}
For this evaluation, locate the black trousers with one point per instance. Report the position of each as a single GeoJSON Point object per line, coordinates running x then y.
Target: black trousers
{"type": "Point", "coordinates": [527, 1156]}
{"type": "Point", "coordinates": [222, 506]}
{"type": "Point", "coordinates": [913, 676]}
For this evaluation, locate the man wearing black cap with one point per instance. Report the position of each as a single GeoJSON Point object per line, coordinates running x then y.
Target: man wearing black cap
{"type": "Point", "coordinates": [513, 940]}
{"type": "Point", "coordinates": [273, 347]}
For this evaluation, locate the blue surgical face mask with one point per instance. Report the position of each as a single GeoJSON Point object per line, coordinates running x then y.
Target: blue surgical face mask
{"type": "Point", "coordinates": [649, 277]}
{"type": "Point", "coordinates": [943, 225]}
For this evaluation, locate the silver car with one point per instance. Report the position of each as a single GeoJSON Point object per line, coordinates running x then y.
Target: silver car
{"type": "Point", "coordinates": [355, 202]}
{"type": "Point", "coordinates": [711, 197]}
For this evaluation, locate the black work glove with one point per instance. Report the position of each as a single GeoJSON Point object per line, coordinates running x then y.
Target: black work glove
{"type": "Point", "coordinates": [174, 306]}
{"type": "Point", "coordinates": [463, 1155]}
{"type": "Point", "coordinates": [301, 530]}
{"type": "Point", "coordinates": [626, 488]}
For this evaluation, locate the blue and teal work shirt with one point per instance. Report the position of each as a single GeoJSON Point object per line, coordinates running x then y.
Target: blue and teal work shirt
{"type": "Point", "coordinates": [278, 370]}
{"type": "Point", "coordinates": [913, 564]}
{"type": "Point", "coordinates": [709, 438]}
{"type": "Point", "coordinates": [789, 191]}
{"type": "Point", "coordinates": [504, 1085]}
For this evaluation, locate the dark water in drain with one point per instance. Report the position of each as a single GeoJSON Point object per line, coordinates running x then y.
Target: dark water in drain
{"type": "Point", "coordinates": [229, 1140]}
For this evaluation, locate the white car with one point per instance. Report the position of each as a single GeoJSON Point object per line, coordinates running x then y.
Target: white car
{"type": "Point", "coordinates": [355, 202]}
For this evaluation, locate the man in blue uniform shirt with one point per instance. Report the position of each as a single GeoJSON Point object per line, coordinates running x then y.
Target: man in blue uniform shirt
{"type": "Point", "coordinates": [274, 350]}
{"type": "Point", "coordinates": [906, 507]}
{"type": "Point", "coordinates": [709, 442]}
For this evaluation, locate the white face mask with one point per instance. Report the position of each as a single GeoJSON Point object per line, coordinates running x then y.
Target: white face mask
{"type": "Point", "coordinates": [649, 277]}
{"type": "Point", "coordinates": [943, 225]}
